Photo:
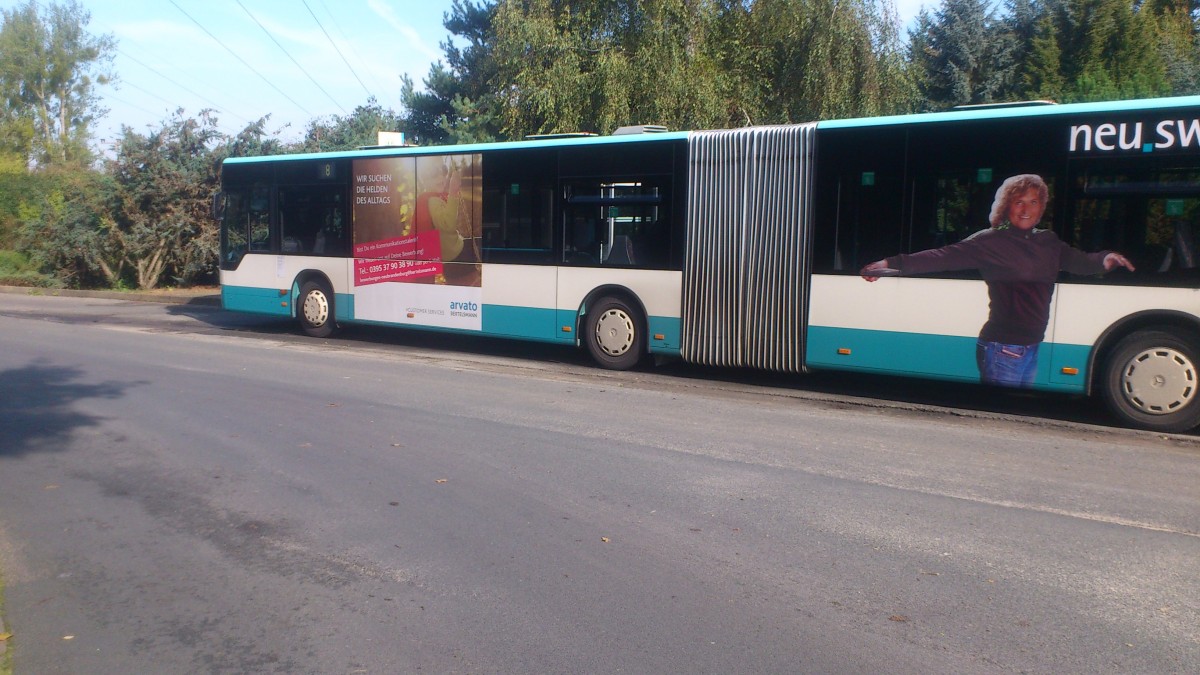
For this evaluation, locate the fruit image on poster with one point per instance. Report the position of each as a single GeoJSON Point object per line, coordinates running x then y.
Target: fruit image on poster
{"type": "Point", "coordinates": [418, 223]}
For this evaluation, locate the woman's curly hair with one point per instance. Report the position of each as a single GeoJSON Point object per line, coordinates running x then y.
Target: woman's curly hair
{"type": "Point", "coordinates": [1011, 187]}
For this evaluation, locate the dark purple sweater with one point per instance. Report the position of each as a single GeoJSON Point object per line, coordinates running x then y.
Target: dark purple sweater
{"type": "Point", "coordinates": [1020, 268]}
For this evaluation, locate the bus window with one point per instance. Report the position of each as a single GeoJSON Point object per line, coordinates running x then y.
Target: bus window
{"type": "Point", "coordinates": [257, 215]}
{"type": "Point", "coordinates": [616, 223]}
{"type": "Point", "coordinates": [312, 220]}
{"type": "Point", "coordinates": [861, 213]}
{"type": "Point", "coordinates": [245, 226]}
{"type": "Point", "coordinates": [951, 205]}
{"type": "Point", "coordinates": [868, 222]}
{"type": "Point", "coordinates": [518, 218]}
{"type": "Point", "coordinates": [518, 206]}
{"type": "Point", "coordinates": [1149, 213]}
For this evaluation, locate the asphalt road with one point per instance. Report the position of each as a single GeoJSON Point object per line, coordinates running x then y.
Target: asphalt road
{"type": "Point", "coordinates": [184, 490]}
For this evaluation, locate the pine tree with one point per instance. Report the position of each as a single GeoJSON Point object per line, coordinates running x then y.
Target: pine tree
{"type": "Point", "coordinates": [1042, 70]}
{"type": "Point", "coordinates": [955, 43]}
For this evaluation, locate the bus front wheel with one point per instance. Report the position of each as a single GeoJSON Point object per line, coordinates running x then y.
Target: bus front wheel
{"type": "Point", "coordinates": [1150, 381]}
{"type": "Point", "coordinates": [315, 310]}
{"type": "Point", "coordinates": [614, 334]}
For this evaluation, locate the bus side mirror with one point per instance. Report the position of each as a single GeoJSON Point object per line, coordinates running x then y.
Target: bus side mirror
{"type": "Point", "coordinates": [218, 206]}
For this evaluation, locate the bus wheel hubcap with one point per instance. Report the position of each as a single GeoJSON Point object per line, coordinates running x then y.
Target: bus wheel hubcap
{"type": "Point", "coordinates": [316, 309]}
{"type": "Point", "coordinates": [1158, 381]}
{"type": "Point", "coordinates": [614, 332]}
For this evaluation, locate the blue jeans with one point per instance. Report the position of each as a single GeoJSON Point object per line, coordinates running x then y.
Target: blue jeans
{"type": "Point", "coordinates": [1006, 365]}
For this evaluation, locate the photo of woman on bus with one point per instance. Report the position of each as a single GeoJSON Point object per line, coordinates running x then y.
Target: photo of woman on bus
{"type": "Point", "coordinates": [1019, 264]}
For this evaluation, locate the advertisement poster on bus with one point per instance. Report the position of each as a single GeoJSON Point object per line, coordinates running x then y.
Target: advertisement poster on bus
{"type": "Point", "coordinates": [417, 228]}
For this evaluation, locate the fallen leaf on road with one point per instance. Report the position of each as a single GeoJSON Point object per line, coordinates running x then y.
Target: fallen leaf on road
{"type": "Point", "coordinates": [898, 618]}
{"type": "Point", "coordinates": [442, 480]}
{"type": "Point", "coordinates": [5, 636]}
{"type": "Point", "coordinates": [50, 487]}
{"type": "Point", "coordinates": [68, 637]}
{"type": "Point", "coordinates": [604, 539]}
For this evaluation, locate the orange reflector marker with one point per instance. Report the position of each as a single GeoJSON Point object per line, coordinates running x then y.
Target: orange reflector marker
{"type": "Point", "coordinates": [660, 336]}
{"type": "Point", "coordinates": [411, 315]}
{"type": "Point", "coordinates": [1067, 370]}
{"type": "Point", "coordinates": [843, 351]}
{"type": "Point", "coordinates": [283, 304]}
{"type": "Point", "coordinates": [283, 291]}
{"type": "Point", "coordinates": [566, 329]}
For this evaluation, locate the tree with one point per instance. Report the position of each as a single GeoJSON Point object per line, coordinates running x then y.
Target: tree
{"type": "Point", "coordinates": [1012, 45]}
{"type": "Point", "coordinates": [1114, 52]}
{"type": "Point", "coordinates": [1178, 45]}
{"type": "Point", "coordinates": [252, 141]}
{"type": "Point", "coordinates": [955, 54]}
{"type": "Point", "coordinates": [49, 68]}
{"type": "Point", "coordinates": [360, 128]}
{"type": "Point", "coordinates": [1042, 71]}
{"type": "Point", "coordinates": [63, 211]}
{"type": "Point", "coordinates": [164, 182]}
{"type": "Point", "coordinates": [829, 58]}
{"type": "Point", "coordinates": [458, 103]}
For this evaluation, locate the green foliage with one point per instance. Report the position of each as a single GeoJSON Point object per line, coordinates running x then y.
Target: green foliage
{"type": "Point", "coordinates": [163, 184]}
{"type": "Point", "coordinates": [252, 141]}
{"type": "Point", "coordinates": [823, 59]}
{"type": "Point", "coordinates": [61, 216]}
{"type": "Point", "coordinates": [359, 128]}
{"type": "Point", "coordinates": [49, 68]}
{"type": "Point", "coordinates": [16, 269]}
{"type": "Point", "coordinates": [1065, 50]}
{"type": "Point", "coordinates": [459, 102]}
{"type": "Point", "coordinates": [960, 46]}
{"type": "Point", "coordinates": [1042, 76]}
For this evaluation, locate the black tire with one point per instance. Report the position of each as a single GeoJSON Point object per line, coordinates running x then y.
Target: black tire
{"type": "Point", "coordinates": [314, 308]}
{"type": "Point", "coordinates": [1150, 382]}
{"type": "Point", "coordinates": [615, 334]}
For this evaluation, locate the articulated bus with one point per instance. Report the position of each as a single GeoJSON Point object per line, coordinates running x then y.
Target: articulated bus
{"type": "Point", "coordinates": [747, 247]}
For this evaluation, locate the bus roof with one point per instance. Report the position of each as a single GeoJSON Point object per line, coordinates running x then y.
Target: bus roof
{"type": "Point", "coordinates": [970, 113]}
{"type": "Point", "coordinates": [1015, 111]}
{"type": "Point", "coordinates": [468, 148]}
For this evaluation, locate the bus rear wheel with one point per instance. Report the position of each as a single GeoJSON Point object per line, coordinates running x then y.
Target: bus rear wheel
{"type": "Point", "coordinates": [614, 334]}
{"type": "Point", "coordinates": [1151, 382]}
{"type": "Point", "coordinates": [315, 310]}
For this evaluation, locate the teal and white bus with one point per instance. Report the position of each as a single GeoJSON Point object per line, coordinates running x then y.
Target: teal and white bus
{"type": "Point", "coordinates": [745, 247]}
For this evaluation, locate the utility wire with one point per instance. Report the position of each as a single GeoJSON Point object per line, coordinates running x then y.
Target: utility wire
{"type": "Point", "coordinates": [302, 69]}
{"type": "Point", "coordinates": [177, 82]}
{"type": "Point", "coordinates": [131, 104]}
{"type": "Point", "coordinates": [335, 47]}
{"type": "Point", "coordinates": [216, 106]}
{"type": "Point", "coordinates": [173, 105]}
{"type": "Point", "coordinates": [235, 55]}
{"type": "Point", "coordinates": [353, 49]}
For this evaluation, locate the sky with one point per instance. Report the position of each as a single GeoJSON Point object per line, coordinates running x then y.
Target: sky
{"type": "Point", "coordinates": [295, 60]}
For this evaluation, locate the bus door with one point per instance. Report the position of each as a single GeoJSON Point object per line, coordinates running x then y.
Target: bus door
{"type": "Point", "coordinates": [520, 277]}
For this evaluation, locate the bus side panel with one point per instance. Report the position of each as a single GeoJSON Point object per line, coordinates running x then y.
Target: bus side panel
{"type": "Point", "coordinates": [658, 290]}
{"type": "Point", "coordinates": [900, 326]}
{"type": "Point", "coordinates": [519, 301]}
{"type": "Point", "coordinates": [1086, 311]}
{"type": "Point", "coordinates": [255, 300]}
{"type": "Point", "coordinates": [263, 284]}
